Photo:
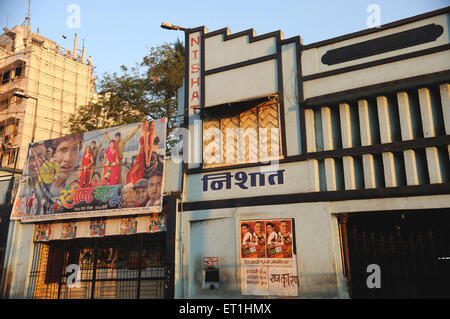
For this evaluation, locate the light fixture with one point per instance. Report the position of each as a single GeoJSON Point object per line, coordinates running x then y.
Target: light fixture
{"type": "Point", "coordinates": [169, 26]}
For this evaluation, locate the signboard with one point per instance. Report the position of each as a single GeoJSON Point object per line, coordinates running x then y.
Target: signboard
{"type": "Point", "coordinates": [211, 261]}
{"type": "Point", "coordinates": [268, 263]}
{"type": "Point", "coordinates": [113, 171]}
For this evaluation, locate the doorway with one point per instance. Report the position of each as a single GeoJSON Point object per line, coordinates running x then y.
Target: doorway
{"type": "Point", "coordinates": [411, 248]}
{"type": "Point", "coordinates": [115, 267]}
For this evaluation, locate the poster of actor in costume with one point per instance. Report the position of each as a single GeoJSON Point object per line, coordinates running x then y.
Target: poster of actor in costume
{"type": "Point", "coordinates": [279, 238]}
{"type": "Point", "coordinates": [106, 172]}
{"type": "Point", "coordinates": [253, 239]}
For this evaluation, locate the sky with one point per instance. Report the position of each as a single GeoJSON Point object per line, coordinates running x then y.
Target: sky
{"type": "Point", "coordinates": [121, 32]}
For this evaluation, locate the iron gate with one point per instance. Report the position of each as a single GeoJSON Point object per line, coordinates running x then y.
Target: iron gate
{"type": "Point", "coordinates": [119, 267]}
{"type": "Point", "coordinates": [412, 249]}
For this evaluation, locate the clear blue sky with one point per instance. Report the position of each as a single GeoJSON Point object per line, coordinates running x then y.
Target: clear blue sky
{"type": "Point", "coordinates": [120, 32]}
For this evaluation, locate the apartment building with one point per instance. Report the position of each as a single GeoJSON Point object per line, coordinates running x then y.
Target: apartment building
{"type": "Point", "coordinates": [41, 84]}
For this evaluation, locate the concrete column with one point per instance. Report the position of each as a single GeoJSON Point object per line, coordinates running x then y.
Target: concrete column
{"type": "Point", "coordinates": [313, 165]}
{"type": "Point", "coordinates": [366, 139]}
{"type": "Point", "coordinates": [445, 99]}
{"type": "Point", "coordinates": [389, 169]}
{"type": "Point", "coordinates": [330, 174]}
{"type": "Point", "coordinates": [349, 172]}
{"type": "Point", "coordinates": [384, 119]}
{"type": "Point", "coordinates": [405, 116]}
{"type": "Point", "coordinates": [313, 171]}
{"type": "Point", "coordinates": [369, 171]}
{"type": "Point", "coordinates": [310, 131]}
{"type": "Point", "coordinates": [346, 132]}
{"type": "Point", "coordinates": [330, 165]}
{"type": "Point", "coordinates": [364, 123]}
{"type": "Point", "coordinates": [412, 177]}
{"type": "Point", "coordinates": [434, 169]}
{"type": "Point", "coordinates": [426, 111]}
{"type": "Point", "coordinates": [327, 129]}
{"type": "Point", "coordinates": [346, 128]}
{"type": "Point", "coordinates": [386, 137]}
{"type": "Point", "coordinates": [404, 109]}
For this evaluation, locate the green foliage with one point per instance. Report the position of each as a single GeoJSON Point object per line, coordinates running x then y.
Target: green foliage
{"type": "Point", "coordinates": [146, 91]}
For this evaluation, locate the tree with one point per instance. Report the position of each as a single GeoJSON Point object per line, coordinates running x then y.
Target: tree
{"type": "Point", "coordinates": [146, 91]}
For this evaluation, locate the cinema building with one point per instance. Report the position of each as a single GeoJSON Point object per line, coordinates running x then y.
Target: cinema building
{"type": "Point", "coordinates": [310, 171]}
{"type": "Point", "coordinates": [345, 140]}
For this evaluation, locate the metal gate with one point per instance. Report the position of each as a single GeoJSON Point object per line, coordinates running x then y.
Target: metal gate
{"type": "Point", "coordinates": [412, 249]}
{"type": "Point", "coordinates": [118, 267]}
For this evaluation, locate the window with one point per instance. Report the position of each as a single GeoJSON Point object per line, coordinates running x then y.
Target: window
{"type": "Point", "coordinates": [4, 104]}
{"type": "Point", "coordinates": [6, 77]}
{"type": "Point", "coordinates": [8, 156]}
{"type": "Point", "coordinates": [248, 135]}
{"type": "Point", "coordinates": [12, 156]}
{"type": "Point", "coordinates": [18, 72]}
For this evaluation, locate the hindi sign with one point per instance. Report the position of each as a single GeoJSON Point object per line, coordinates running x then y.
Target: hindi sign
{"type": "Point", "coordinates": [113, 171]}
{"type": "Point", "coordinates": [268, 264]}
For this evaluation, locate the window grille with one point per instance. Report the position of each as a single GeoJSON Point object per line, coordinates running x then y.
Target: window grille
{"type": "Point", "coordinates": [115, 267]}
{"type": "Point", "coordinates": [252, 135]}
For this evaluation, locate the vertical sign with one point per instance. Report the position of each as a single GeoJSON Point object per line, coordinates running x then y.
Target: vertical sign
{"type": "Point", "coordinates": [194, 96]}
{"type": "Point", "coordinates": [194, 72]}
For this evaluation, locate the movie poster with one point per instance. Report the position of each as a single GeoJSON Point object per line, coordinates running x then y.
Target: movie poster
{"type": "Point", "coordinates": [97, 228]}
{"type": "Point", "coordinates": [157, 222]}
{"type": "Point", "coordinates": [68, 231]}
{"type": "Point", "coordinates": [128, 226]}
{"type": "Point", "coordinates": [113, 171]}
{"type": "Point", "coordinates": [43, 232]}
{"type": "Point", "coordinates": [268, 263]}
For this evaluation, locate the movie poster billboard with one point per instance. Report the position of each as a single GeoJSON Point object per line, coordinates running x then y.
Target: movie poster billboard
{"type": "Point", "coordinates": [113, 171]}
{"type": "Point", "coordinates": [268, 263]}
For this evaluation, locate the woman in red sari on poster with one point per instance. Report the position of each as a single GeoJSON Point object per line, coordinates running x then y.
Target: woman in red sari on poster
{"type": "Point", "coordinates": [111, 168]}
{"type": "Point", "coordinates": [148, 144]}
{"type": "Point", "coordinates": [87, 162]}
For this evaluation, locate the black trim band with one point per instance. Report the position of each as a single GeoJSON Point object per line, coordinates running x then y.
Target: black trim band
{"type": "Point", "coordinates": [330, 196]}
{"type": "Point", "coordinates": [241, 64]}
{"type": "Point", "coordinates": [381, 28]}
{"type": "Point", "coordinates": [384, 44]}
{"type": "Point", "coordinates": [377, 62]}
{"type": "Point", "coordinates": [392, 86]}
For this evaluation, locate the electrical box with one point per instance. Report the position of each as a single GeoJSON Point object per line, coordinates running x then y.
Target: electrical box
{"type": "Point", "coordinates": [211, 278]}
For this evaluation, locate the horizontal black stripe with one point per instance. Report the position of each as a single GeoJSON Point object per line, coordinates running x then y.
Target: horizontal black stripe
{"type": "Point", "coordinates": [330, 196]}
{"type": "Point", "coordinates": [379, 88]}
{"type": "Point", "coordinates": [383, 44]}
{"type": "Point", "coordinates": [241, 64]}
{"type": "Point", "coordinates": [381, 28]}
{"type": "Point", "coordinates": [377, 62]}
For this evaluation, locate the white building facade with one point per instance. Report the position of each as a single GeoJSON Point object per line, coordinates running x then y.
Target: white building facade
{"type": "Point", "coordinates": [346, 140]}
